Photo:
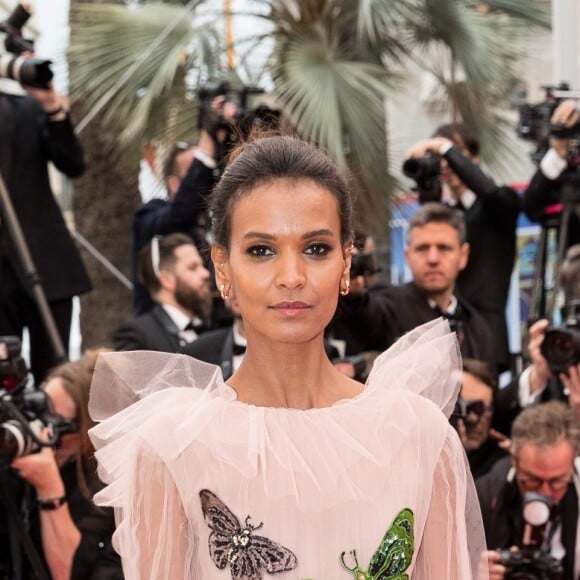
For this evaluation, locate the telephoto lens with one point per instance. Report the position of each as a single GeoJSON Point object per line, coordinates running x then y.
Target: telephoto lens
{"type": "Point", "coordinates": [33, 72]}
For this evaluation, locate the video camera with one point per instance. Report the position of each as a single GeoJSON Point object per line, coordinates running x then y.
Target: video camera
{"type": "Point", "coordinates": [534, 121]}
{"type": "Point", "coordinates": [24, 412]}
{"type": "Point", "coordinates": [530, 561]}
{"type": "Point", "coordinates": [30, 71]}
{"type": "Point", "coordinates": [246, 118]}
{"type": "Point", "coordinates": [425, 171]}
{"type": "Point", "coordinates": [561, 346]}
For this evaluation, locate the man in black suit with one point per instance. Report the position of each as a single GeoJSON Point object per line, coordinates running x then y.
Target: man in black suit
{"type": "Point", "coordinates": [173, 271]}
{"type": "Point", "coordinates": [491, 213]}
{"type": "Point", "coordinates": [36, 129]}
{"type": "Point", "coordinates": [545, 442]}
{"type": "Point", "coordinates": [436, 252]}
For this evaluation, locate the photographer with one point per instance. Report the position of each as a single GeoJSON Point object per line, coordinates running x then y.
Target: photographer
{"type": "Point", "coordinates": [545, 442]}
{"type": "Point", "coordinates": [490, 213]}
{"type": "Point", "coordinates": [537, 383]}
{"type": "Point", "coordinates": [35, 129]}
{"type": "Point", "coordinates": [558, 170]}
{"type": "Point", "coordinates": [190, 174]}
{"type": "Point", "coordinates": [73, 535]}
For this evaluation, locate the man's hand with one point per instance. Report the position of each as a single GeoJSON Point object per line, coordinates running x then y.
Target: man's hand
{"type": "Point", "coordinates": [496, 570]}
{"type": "Point", "coordinates": [565, 115]}
{"type": "Point", "coordinates": [41, 471]}
{"type": "Point", "coordinates": [50, 101]}
{"type": "Point", "coordinates": [540, 373]}
{"type": "Point", "coordinates": [433, 145]}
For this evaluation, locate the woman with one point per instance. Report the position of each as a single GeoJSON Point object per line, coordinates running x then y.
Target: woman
{"type": "Point", "coordinates": [291, 468]}
{"type": "Point", "coordinates": [74, 534]}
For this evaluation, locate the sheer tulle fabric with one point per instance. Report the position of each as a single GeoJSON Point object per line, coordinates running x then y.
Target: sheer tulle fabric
{"type": "Point", "coordinates": [321, 482]}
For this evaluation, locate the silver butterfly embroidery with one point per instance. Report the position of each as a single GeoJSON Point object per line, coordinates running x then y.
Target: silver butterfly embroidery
{"type": "Point", "coordinates": [247, 554]}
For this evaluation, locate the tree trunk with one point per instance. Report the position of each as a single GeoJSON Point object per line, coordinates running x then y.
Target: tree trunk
{"type": "Point", "coordinates": [104, 201]}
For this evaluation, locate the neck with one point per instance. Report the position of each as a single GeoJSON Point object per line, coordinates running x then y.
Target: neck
{"type": "Point", "coordinates": [442, 299]}
{"type": "Point", "coordinates": [170, 301]}
{"type": "Point", "coordinates": [297, 376]}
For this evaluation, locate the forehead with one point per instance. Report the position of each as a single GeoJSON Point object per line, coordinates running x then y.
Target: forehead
{"type": "Point", "coordinates": [61, 400]}
{"type": "Point", "coordinates": [559, 456]}
{"type": "Point", "coordinates": [187, 253]}
{"type": "Point", "coordinates": [434, 233]}
{"type": "Point", "coordinates": [473, 388]}
{"type": "Point", "coordinates": [285, 205]}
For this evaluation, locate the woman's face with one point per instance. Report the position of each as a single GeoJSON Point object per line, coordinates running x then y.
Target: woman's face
{"type": "Point", "coordinates": [64, 406]}
{"type": "Point", "coordinates": [286, 260]}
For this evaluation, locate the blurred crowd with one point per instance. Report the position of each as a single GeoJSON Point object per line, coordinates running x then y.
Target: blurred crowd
{"type": "Point", "coordinates": [460, 251]}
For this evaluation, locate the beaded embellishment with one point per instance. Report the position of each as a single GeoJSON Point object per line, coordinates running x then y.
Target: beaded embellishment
{"type": "Point", "coordinates": [248, 555]}
{"type": "Point", "coordinates": [394, 554]}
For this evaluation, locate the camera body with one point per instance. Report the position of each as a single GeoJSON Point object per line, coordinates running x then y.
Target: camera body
{"type": "Point", "coordinates": [30, 71]}
{"type": "Point", "coordinates": [534, 122]}
{"type": "Point", "coordinates": [24, 412]}
{"type": "Point", "coordinates": [529, 563]}
{"type": "Point", "coordinates": [561, 346]}
{"type": "Point", "coordinates": [426, 172]}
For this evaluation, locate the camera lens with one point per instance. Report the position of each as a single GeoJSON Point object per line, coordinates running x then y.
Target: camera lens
{"type": "Point", "coordinates": [559, 348]}
{"type": "Point", "coordinates": [13, 442]}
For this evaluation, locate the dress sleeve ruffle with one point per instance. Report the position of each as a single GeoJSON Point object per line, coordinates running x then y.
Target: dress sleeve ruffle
{"type": "Point", "coordinates": [425, 361]}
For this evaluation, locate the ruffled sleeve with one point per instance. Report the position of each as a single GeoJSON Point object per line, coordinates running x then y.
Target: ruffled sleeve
{"type": "Point", "coordinates": [425, 361]}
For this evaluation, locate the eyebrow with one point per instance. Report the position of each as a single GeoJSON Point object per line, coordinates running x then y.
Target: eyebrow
{"type": "Point", "coordinates": [306, 236]}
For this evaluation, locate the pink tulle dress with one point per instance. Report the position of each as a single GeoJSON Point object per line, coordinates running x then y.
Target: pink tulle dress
{"type": "Point", "coordinates": [207, 487]}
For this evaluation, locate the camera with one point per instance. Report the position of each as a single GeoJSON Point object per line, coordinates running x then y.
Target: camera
{"type": "Point", "coordinates": [425, 171]}
{"type": "Point", "coordinates": [534, 121]}
{"type": "Point", "coordinates": [30, 71]}
{"type": "Point", "coordinates": [24, 412]}
{"type": "Point", "coordinates": [529, 561]}
{"type": "Point", "coordinates": [561, 346]}
{"type": "Point", "coordinates": [363, 264]}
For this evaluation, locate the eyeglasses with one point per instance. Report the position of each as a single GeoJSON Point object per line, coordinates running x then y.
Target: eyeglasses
{"type": "Point", "coordinates": [478, 407]}
{"type": "Point", "coordinates": [533, 483]}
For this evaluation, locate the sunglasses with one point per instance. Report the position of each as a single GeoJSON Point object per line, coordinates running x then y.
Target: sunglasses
{"type": "Point", "coordinates": [465, 408]}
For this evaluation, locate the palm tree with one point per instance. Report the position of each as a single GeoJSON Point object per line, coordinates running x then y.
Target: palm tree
{"type": "Point", "coordinates": [333, 65]}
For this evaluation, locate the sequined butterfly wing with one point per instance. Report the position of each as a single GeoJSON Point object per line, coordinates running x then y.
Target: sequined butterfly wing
{"type": "Point", "coordinates": [395, 553]}
{"type": "Point", "coordinates": [230, 543]}
{"type": "Point", "coordinates": [223, 525]}
{"type": "Point", "coordinates": [393, 556]}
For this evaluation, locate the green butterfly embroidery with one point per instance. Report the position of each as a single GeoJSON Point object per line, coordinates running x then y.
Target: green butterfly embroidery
{"type": "Point", "coordinates": [394, 555]}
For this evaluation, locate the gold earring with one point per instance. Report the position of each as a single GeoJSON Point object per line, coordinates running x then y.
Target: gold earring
{"type": "Point", "coordinates": [345, 287]}
{"type": "Point", "coordinates": [223, 294]}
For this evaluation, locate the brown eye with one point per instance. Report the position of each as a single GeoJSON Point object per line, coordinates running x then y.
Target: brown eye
{"type": "Point", "coordinates": [260, 251]}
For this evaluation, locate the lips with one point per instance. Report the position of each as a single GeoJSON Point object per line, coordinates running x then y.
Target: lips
{"type": "Point", "coordinates": [290, 308]}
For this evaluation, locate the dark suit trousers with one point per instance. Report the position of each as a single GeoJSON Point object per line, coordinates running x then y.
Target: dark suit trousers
{"type": "Point", "coordinates": [18, 310]}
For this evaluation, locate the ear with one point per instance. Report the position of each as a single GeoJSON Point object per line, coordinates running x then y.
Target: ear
{"type": "Point", "coordinates": [464, 257]}
{"type": "Point", "coordinates": [347, 257]}
{"type": "Point", "coordinates": [166, 280]}
{"type": "Point", "coordinates": [219, 257]}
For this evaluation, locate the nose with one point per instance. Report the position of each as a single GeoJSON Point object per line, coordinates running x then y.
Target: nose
{"type": "Point", "coordinates": [433, 255]}
{"type": "Point", "coordinates": [290, 272]}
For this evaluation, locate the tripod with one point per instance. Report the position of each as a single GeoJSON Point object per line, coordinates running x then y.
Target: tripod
{"type": "Point", "coordinates": [557, 227]}
{"type": "Point", "coordinates": [32, 278]}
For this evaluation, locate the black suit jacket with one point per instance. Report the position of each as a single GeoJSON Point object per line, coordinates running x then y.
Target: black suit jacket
{"type": "Point", "coordinates": [152, 331]}
{"type": "Point", "coordinates": [184, 213]}
{"type": "Point", "coordinates": [501, 509]}
{"type": "Point", "coordinates": [491, 232]}
{"type": "Point", "coordinates": [387, 312]}
{"type": "Point", "coordinates": [33, 142]}
{"type": "Point", "coordinates": [215, 347]}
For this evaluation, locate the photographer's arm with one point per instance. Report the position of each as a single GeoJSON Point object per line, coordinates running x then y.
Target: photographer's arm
{"type": "Point", "coordinates": [61, 144]}
{"type": "Point", "coordinates": [60, 536]}
{"type": "Point", "coordinates": [571, 382]}
{"type": "Point", "coordinates": [544, 185]}
{"type": "Point", "coordinates": [189, 200]}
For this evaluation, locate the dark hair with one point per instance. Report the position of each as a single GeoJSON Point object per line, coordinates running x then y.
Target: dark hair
{"type": "Point", "coordinates": [170, 166]}
{"type": "Point", "coordinates": [76, 379]}
{"type": "Point", "coordinates": [145, 260]}
{"type": "Point", "coordinates": [434, 212]}
{"type": "Point", "coordinates": [269, 158]}
{"type": "Point", "coordinates": [461, 136]}
{"type": "Point", "coordinates": [480, 370]}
